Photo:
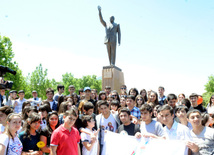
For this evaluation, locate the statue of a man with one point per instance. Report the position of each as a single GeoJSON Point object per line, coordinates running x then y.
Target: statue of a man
{"type": "Point", "coordinates": [112, 29]}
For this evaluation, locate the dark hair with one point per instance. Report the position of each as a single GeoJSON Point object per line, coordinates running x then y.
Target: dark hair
{"type": "Point", "coordinates": [70, 112]}
{"type": "Point", "coordinates": [156, 101]}
{"type": "Point", "coordinates": [48, 124]}
{"type": "Point", "coordinates": [157, 107]}
{"type": "Point", "coordinates": [63, 107]}
{"type": "Point", "coordinates": [133, 89]}
{"type": "Point", "coordinates": [88, 105]}
{"type": "Point", "coordinates": [59, 86]}
{"type": "Point", "coordinates": [125, 110]}
{"type": "Point", "coordinates": [74, 95]}
{"type": "Point", "coordinates": [45, 107]}
{"type": "Point", "coordinates": [100, 94]}
{"type": "Point", "coordinates": [186, 102]}
{"type": "Point", "coordinates": [21, 91]}
{"type": "Point", "coordinates": [205, 118]}
{"type": "Point", "coordinates": [210, 103]}
{"type": "Point", "coordinates": [122, 86]}
{"type": "Point", "coordinates": [61, 99]}
{"type": "Point", "coordinates": [101, 102]}
{"type": "Point", "coordinates": [25, 112]}
{"type": "Point", "coordinates": [146, 107]}
{"type": "Point", "coordinates": [118, 97]}
{"type": "Point", "coordinates": [182, 95]}
{"type": "Point", "coordinates": [6, 110]}
{"type": "Point", "coordinates": [193, 111]}
{"type": "Point", "coordinates": [115, 103]}
{"type": "Point", "coordinates": [131, 97]}
{"type": "Point", "coordinates": [80, 90]}
{"type": "Point", "coordinates": [24, 104]}
{"type": "Point", "coordinates": [166, 107]}
{"type": "Point", "coordinates": [171, 97]}
{"type": "Point", "coordinates": [137, 97]}
{"type": "Point", "coordinates": [145, 97]}
{"type": "Point", "coordinates": [161, 87]}
{"type": "Point", "coordinates": [85, 120]}
{"type": "Point", "coordinates": [180, 107]}
{"type": "Point", "coordinates": [49, 90]}
{"type": "Point", "coordinates": [46, 102]}
{"type": "Point", "coordinates": [33, 117]}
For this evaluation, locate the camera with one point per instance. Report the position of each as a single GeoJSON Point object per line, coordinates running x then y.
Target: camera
{"type": "Point", "coordinates": [5, 84]}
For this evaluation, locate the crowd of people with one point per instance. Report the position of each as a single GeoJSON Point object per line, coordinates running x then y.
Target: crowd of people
{"type": "Point", "coordinates": [75, 124]}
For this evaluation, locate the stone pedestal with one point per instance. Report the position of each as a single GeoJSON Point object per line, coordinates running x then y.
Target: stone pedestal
{"type": "Point", "coordinates": [112, 76]}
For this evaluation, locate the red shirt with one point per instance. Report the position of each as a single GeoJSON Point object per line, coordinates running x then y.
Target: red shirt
{"type": "Point", "coordinates": [66, 142]}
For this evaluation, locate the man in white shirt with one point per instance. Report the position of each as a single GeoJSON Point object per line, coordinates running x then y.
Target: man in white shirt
{"type": "Point", "coordinates": [18, 103]}
{"type": "Point", "coordinates": [35, 101]}
{"type": "Point", "coordinates": [174, 130]}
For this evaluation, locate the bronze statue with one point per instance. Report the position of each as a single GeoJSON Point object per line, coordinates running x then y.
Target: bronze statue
{"type": "Point", "coordinates": [111, 37]}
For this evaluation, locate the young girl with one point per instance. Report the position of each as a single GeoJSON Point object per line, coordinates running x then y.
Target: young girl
{"type": "Point", "coordinates": [30, 137]}
{"type": "Point", "coordinates": [139, 101]}
{"type": "Point", "coordinates": [90, 145]}
{"type": "Point", "coordinates": [44, 110]}
{"type": "Point", "coordinates": [45, 135]}
{"type": "Point", "coordinates": [9, 142]}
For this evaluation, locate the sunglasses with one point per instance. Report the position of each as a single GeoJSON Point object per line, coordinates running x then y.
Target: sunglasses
{"type": "Point", "coordinates": [123, 88]}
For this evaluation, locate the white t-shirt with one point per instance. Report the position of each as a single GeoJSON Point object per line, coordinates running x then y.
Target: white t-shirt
{"type": "Point", "coordinates": [15, 146]}
{"type": "Point", "coordinates": [109, 124]}
{"type": "Point", "coordinates": [2, 128]}
{"type": "Point", "coordinates": [87, 138]}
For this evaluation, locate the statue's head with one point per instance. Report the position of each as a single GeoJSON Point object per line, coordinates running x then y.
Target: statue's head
{"type": "Point", "coordinates": [112, 19]}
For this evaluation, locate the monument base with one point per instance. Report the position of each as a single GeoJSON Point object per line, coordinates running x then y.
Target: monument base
{"type": "Point", "coordinates": [112, 76]}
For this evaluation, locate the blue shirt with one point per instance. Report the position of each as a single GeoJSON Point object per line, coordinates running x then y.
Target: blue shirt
{"type": "Point", "coordinates": [136, 112]}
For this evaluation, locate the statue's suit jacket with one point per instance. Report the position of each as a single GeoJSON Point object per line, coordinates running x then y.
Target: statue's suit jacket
{"type": "Point", "coordinates": [111, 33]}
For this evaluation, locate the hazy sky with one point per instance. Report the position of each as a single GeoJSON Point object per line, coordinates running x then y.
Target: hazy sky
{"type": "Point", "coordinates": [168, 43]}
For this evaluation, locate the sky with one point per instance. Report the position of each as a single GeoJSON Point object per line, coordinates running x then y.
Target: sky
{"type": "Point", "coordinates": [163, 43]}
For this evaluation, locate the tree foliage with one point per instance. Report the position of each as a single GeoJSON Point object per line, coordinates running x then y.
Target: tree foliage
{"type": "Point", "coordinates": [91, 81]}
{"type": "Point", "coordinates": [209, 87]}
{"type": "Point", "coordinates": [39, 81]}
{"type": "Point", "coordinates": [6, 56]}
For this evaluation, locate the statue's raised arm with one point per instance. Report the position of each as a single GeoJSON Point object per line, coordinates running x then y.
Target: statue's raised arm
{"type": "Point", "coordinates": [101, 17]}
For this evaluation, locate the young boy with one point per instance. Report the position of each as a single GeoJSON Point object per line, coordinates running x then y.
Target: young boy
{"type": "Point", "coordinates": [130, 101]}
{"type": "Point", "coordinates": [50, 94]}
{"type": "Point", "coordinates": [127, 128]}
{"type": "Point", "coordinates": [149, 127]}
{"type": "Point", "coordinates": [65, 139]}
{"type": "Point", "coordinates": [90, 145]}
{"type": "Point", "coordinates": [18, 103]}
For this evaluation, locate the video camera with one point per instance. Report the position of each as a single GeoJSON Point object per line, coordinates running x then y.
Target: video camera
{"type": "Point", "coordinates": [5, 84]}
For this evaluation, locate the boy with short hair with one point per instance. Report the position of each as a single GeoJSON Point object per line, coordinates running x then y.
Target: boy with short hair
{"type": "Point", "coordinates": [65, 139]}
{"type": "Point", "coordinates": [150, 127]}
{"type": "Point", "coordinates": [90, 145]}
{"type": "Point", "coordinates": [127, 128]}
{"type": "Point", "coordinates": [18, 103]}
{"type": "Point", "coordinates": [130, 102]}
{"type": "Point", "coordinates": [50, 94]}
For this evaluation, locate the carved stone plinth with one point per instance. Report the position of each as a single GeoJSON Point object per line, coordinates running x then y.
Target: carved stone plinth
{"type": "Point", "coordinates": [112, 76]}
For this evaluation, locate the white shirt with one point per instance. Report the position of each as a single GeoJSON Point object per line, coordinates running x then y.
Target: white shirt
{"type": "Point", "coordinates": [15, 146]}
{"type": "Point", "coordinates": [178, 132]}
{"type": "Point", "coordinates": [87, 138]}
{"type": "Point", "coordinates": [18, 108]}
{"type": "Point", "coordinates": [2, 128]}
{"type": "Point", "coordinates": [107, 124]}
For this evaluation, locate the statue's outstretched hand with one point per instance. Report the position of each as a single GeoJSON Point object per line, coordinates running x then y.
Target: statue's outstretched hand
{"type": "Point", "coordinates": [99, 8]}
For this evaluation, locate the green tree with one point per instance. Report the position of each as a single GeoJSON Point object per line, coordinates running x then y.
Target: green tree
{"type": "Point", "coordinates": [38, 81]}
{"type": "Point", "coordinates": [209, 87]}
{"type": "Point", "coordinates": [91, 81]}
{"type": "Point", "coordinates": [6, 59]}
